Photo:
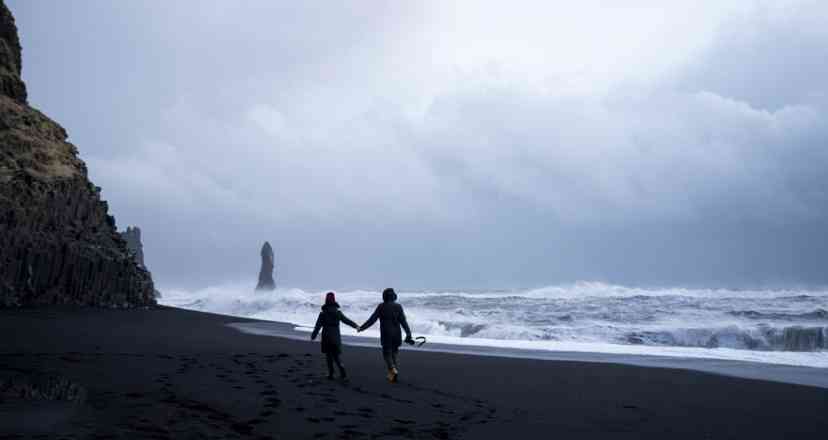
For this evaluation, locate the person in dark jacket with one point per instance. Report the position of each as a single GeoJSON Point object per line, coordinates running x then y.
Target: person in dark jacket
{"type": "Point", "coordinates": [328, 322]}
{"type": "Point", "coordinates": [391, 317]}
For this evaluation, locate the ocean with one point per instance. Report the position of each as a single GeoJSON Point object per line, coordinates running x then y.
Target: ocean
{"type": "Point", "coordinates": [788, 327]}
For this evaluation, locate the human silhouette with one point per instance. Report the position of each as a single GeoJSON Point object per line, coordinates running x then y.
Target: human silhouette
{"type": "Point", "coordinates": [391, 317]}
{"type": "Point", "coordinates": [328, 321]}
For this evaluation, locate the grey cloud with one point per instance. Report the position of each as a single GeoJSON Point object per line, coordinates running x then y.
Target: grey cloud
{"type": "Point", "coordinates": [307, 126]}
{"type": "Point", "coordinates": [772, 58]}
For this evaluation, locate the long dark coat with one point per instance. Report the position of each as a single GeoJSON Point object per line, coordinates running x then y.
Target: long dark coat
{"type": "Point", "coordinates": [328, 322]}
{"type": "Point", "coordinates": [391, 317]}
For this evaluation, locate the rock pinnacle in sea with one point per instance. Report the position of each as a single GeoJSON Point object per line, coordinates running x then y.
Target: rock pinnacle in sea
{"type": "Point", "coordinates": [266, 281]}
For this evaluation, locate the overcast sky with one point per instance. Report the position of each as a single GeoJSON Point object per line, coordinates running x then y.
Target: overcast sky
{"type": "Point", "coordinates": [450, 144]}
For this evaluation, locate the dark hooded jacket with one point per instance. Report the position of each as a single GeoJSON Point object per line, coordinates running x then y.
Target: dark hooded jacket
{"type": "Point", "coordinates": [391, 317]}
{"type": "Point", "coordinates": [328, 322]}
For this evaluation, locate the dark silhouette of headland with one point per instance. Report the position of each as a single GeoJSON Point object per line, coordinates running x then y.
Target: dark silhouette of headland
{"type": "Point", "coordinates": [58, 242]}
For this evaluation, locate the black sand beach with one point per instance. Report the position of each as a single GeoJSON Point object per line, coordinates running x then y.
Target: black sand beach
{"type": "Point", "coordinates": [169, 373]}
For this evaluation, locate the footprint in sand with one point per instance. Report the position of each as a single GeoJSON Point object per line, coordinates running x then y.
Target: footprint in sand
{"type": "Point", "coordinates": [242, 428]}
{"type": "Point", "coordinates": [440, 434]}
{"type": "Point", "coordinates": [401, 431]}
{"type": "Point", "coordinates": [351, 433]}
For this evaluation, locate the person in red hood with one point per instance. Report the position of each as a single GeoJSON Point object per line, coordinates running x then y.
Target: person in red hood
{"type": "Point", "coordinates": [328, 321]}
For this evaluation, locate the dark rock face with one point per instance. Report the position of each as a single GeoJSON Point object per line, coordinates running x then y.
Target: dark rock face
{"type": "Point", "coordinates": [132, 236]}
{"type": "Point", "coordinates": [266, 281]}
{"type": "Point", "coordinates": [58, 244]}
{"type": "Point", "coordinates": [10, 59]}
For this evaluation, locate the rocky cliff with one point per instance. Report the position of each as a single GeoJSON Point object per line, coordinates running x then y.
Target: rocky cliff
{"type": "Point", "coordinates": [266, 281]}
{"type": "Point", "coordinates": [58, 244]}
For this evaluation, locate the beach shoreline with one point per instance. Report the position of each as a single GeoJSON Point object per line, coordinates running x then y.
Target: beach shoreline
{"type": "Point", "coordinates": [782, 373]}
{"type": "Point", "coordinates": [163, 372]}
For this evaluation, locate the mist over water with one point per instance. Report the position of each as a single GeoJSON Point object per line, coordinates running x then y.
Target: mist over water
{"type": "Point", "coordinates": [777, 326]}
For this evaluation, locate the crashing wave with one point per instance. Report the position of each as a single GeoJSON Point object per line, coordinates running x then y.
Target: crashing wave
{"type": "Point", "coordinates": [466, 329]}
{"type": "Point", "coordinates": [764, 320]}
{"type": "Point", "coordinates": [816, 315]}
{"type": "Point", "coordinates": [793, 338]}
{"type": "Point", "coordinates": [804, 338]}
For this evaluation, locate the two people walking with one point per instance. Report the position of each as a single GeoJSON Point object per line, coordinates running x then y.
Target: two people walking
{"type": "Point", "coordinates": [391, 317]}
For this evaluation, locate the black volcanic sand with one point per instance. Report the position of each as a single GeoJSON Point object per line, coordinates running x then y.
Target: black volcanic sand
{"type": "Point", "coordinates": [167, 373]}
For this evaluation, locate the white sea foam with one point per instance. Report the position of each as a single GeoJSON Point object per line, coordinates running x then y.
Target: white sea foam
{"type": "Point", "coordinates": [771, 326]}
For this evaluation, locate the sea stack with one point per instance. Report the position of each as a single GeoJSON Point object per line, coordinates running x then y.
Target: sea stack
{"type": "Point", "coordinates": [58, 243]}
{"type": "Point", "coordinates": [132, 236]}
{"type": "Point", "coordinates": [266, 281]}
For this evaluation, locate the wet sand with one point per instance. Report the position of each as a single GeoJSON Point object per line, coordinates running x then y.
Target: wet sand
{"type": "Point", "coordinates": [762, 370]}
{"type": "Point", "coordinates": [170, 373]}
